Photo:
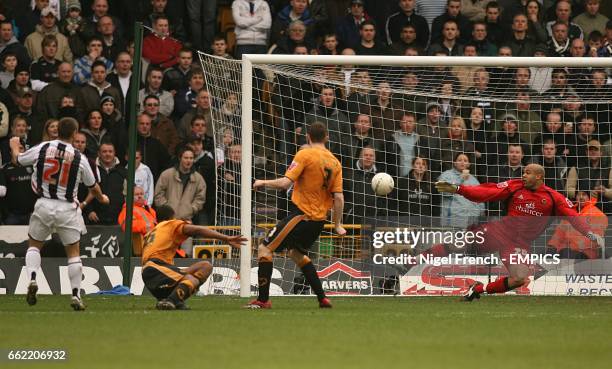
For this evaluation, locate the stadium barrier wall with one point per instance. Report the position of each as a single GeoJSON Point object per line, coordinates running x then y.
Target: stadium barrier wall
{"type": "Point", "coordinates": [339, 277]}
{"type": "Point", "coordinates": [355, 276]}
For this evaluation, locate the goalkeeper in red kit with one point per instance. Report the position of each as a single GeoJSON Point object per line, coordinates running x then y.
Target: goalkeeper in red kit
{"type": "Point", "coordinates": [530, 203]}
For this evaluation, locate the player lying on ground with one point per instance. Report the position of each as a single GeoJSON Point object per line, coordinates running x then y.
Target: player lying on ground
{"type": "Point", "coordinates": [316, 176]}
{"type": "Point", "coordinates": [171, 285]}
{"type": "Point", "coordinates": [530, 203]}
{"type": "Point", "coordinates": [58, 168]}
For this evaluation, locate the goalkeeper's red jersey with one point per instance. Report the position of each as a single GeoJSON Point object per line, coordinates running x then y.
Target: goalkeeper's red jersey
{"type": "Point", "coordinates": [528, 212]}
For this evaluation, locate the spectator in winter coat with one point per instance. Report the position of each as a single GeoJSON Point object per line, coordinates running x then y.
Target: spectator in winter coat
{"type": "Point", "coordinates": [144, 220]}
{"type": "Point", "coordinates": [154, 153]}
{"type": "Point", "coordinates": [91, 93]}
{"type": "Point", "coordinates": [181, 187]}
{"type": "Point", "coordinates": [33, 42]}
{"type": "Point", "coordinates": [296, 10]}
{"type": "Point", "coordinates": [158, 47]}
{"type": "Point", "coordinates": [253, 22]}
{"type": "Point", "coordinates": [406, 16]}
{"type": "Point", "coordinates": [362, 203]}
{"type": "Point", "coordinates": [457, 211]}
{"type": "Point", "coordinates": [94, 132]}
{"type": "Point", "coordinates": [570, 243]}
{"type": "Point", "coordinates": [155, 77]}
{"type": "Point", "coordinates": [10, 44]}
{"type": "Point", "coordinates": [347, 28]}
{"type": "Point", "coordinates": [112, 181]}
{"type": "Point", "coordinates": [49, 99]}
{"type": "Point", "coordinates": [84, 64]}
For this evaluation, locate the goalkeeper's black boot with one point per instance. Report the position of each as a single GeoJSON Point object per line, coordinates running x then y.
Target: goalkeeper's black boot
{"type": "Point", "coordinates": [472, 293]}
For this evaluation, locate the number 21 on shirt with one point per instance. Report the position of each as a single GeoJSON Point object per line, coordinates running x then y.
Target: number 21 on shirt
{"type": "Point", "coordinates": [55, 168]}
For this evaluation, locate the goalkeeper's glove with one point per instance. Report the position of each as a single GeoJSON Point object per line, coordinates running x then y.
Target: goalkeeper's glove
{"type": "Point", "coordinates": [443, 187]}
{"type": "Point", "coordinates": [601, 242]}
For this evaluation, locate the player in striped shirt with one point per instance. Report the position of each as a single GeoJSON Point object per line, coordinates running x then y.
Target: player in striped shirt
{"type": "Point", "coordinates": [58, 170]}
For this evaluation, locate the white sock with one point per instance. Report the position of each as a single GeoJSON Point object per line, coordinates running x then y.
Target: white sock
{"type": "Point", "coordinates": [32, 260]}
{"type": "Point", "coordinates": [75, 273]}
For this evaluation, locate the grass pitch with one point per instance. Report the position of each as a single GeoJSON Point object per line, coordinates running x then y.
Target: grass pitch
{"type": "Point", "coordinates": [426, 332]}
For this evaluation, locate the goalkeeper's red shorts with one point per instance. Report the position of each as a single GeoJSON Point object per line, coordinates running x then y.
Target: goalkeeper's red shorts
{"type": "Point", "coordinates": [496, 243]}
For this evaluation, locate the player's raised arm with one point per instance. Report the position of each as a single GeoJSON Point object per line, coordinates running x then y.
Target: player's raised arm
{"type": "Point", "coordinates": [14, 144]}
{"type": "Point", "coordinates": [281, 183]}
{"type": "Point", "coordinates": [26, 158]}
{"type": "Point", "coordinates": [204, 232]}
{"type": "Point", "coordinates": [486, 192]}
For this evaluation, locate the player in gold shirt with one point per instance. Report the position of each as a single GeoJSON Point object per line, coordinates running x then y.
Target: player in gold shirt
{"type": "Point", "coordinates": [316, 176]}
{"type": "Point", "coordinates": [168, 283]}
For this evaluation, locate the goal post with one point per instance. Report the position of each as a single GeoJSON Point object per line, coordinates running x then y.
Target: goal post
{"type": "Point", "coordinates": [278, 96]}
{"type": "Point", "coordinates": [246, 185]}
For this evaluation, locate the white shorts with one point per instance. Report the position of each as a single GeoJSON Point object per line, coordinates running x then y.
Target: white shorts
{"type": "Point", "coordinates": [56, 216]}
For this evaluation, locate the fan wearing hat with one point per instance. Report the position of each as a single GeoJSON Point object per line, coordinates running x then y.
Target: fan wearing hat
{"type": "Point", "coordinates": [24, 100]}
{"type": "Point", "coordinates": [73, 21]}
{"type": "Point", "coordinates": [75, 27]}
{"type": "Point", "coordinates": [113, 121]}
{"type": "Point", "coordinates": [21, 80]}
{"type": "Point", "coordinates": [348, 27]}
{"type": "Point", "coordinates": [48, 26]}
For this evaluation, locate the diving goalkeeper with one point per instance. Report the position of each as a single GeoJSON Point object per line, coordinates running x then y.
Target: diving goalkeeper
{"type": "Point", "coordinates": [530, 203]}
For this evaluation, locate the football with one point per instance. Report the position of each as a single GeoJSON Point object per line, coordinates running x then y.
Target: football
{"type": "Point", "coordinates": [382, 184]}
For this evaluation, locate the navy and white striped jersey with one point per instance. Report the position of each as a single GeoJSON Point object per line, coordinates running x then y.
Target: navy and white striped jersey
{"type": "Point", "coordinates": [58, 170]}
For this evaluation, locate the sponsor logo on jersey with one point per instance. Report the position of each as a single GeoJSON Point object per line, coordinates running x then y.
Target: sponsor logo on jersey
{"type": "Point", "coordinates": [569, 203]}
{"type": "Point", "coordinates": [530, 209]}
{"type": "Point", "coordinates": [502, 184]}
{"type": "Point", "coordinates": [293, 165]}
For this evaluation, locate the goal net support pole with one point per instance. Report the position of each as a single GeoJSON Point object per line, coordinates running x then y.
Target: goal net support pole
{"type": "Point", "coordinates": [246, 178]}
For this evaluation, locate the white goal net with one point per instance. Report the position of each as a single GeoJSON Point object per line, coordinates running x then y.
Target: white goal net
{"type": "Point", "coordinates": [419, 119]}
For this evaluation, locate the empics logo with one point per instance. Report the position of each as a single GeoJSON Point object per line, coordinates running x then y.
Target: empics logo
{"type": "Point", "coordinates": [341, 279]}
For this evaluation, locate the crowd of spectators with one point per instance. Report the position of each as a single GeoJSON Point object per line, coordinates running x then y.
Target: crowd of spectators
{"type": "Point", "coordinates": [74, 58]}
